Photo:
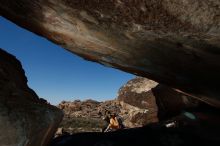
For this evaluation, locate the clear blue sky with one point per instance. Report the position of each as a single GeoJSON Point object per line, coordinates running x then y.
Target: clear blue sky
{"type": "Point", "coordinates": [56, 74]}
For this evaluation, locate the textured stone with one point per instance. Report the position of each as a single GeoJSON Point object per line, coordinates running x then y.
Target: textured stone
{"type": "Point", "coordinates": [173, 42]}
{"type": "Point", "coordinates": [139, 102]}
{"type": "Point", "coordinates": [137, 92]}
{"type": "Point", "coordinates": [171, 103]}
{"type": "Point", "coordinates": [24, 119]}
{"type": "Point", "coordinates": [158, 101]}
{"type": "Point", "coordinates": [132, 116]}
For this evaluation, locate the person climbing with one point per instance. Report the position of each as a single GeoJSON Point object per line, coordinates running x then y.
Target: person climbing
{"type": "Point", "coordinates": [113, 124]}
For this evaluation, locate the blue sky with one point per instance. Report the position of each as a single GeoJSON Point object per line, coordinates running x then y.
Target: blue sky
{"type": "Point", "coordinates": [56, 74]}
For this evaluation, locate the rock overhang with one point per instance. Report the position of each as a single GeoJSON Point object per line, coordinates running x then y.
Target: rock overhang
{"type": "Point", "coordinates": [175, 43]}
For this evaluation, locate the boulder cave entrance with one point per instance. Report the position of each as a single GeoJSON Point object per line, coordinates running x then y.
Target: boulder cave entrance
{"type": "Point", "coordinates": [173, 43]}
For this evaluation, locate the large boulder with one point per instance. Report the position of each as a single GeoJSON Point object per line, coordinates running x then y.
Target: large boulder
{"type": "Point", "coordinates": [173, 42]}
{"type": "Point", "coordinates": [138, 102]}
{"type": "Point", "coordinates": [154, 101]}
{"type": "Point", "coordinates": [24, 119]}
{"type": "Point", "coordinates": [137, 92]}
{"type": "Point", "coordinates": [171, 103]}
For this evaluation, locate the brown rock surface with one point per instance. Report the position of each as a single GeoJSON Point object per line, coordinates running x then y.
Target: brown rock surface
{"type": "Point", "coordinates": [137, 93]}
{"type": "Point", "coordinates": [160, 101]}
{"type": "Point", "coordinates": [24, 119]}
{"type": "Point", "coordinates": [91, 111]}
{"type": "Point", "coordinates": [171, 103]}
{"type": "Point", "coordinates": [85, 116]}
{"type": "Point", "coordinates": [173, 42]}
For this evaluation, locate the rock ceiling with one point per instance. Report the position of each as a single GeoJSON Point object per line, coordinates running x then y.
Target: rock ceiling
{"type": "Point", "coordinates": [173, 42]}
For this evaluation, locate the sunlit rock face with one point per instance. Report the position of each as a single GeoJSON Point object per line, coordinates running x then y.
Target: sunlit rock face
{"type": "Point", "coordinates": [24, 119]}
{"type": "Point", "coordinates": [173, 42]}
{"type": "Point", "coordinates": [138, 102]}
{"type": "Point", "coordinates": [136, 92]}
{"type": "Point", "coordinates": [157, 102]}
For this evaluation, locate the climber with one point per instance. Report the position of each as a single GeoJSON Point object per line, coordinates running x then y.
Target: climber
{"type": "Point", "coordinates": [113, 124]}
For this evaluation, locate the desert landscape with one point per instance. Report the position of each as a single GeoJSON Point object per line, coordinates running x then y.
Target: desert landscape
{"type": "Point", "coordinates": [171, 46]}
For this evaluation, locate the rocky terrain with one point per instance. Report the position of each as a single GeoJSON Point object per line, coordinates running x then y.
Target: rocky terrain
{"type": "Point", "coordinates": [140, 102]}
{"type": "Point", "coordinates": [175, 43]}
{"type": "Point", "coordinates": [87, 116]}
{"type": "Point", "coordinates": [153, 114]}
{"type": "Point", "coordinates": [91, 112]}
{"type": "Point", "coordinates": [23, 114]}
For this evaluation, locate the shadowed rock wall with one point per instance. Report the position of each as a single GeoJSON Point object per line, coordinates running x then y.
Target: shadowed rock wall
{"type": "Point", "coordinates": [24, 119]}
